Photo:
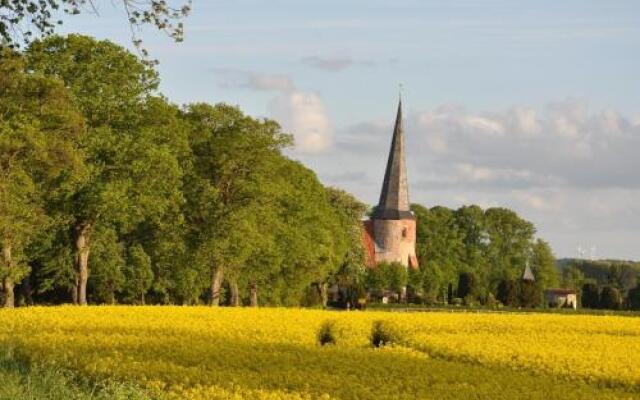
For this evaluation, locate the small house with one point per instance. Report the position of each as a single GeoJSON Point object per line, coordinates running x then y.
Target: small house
{"type": "Point", "coordinates": [561, 298]}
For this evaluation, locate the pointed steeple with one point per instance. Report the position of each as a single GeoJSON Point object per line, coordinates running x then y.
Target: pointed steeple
{"type": "Point", "coordinates": [394, 198]}
{"type": "Point", "coordinates": [527, 275]}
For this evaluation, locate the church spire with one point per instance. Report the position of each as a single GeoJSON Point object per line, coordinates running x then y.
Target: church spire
{"type": "Point", "coordinates": [394, 198]}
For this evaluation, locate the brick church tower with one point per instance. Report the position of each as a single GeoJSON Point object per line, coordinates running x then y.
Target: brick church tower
{"type": "Point", "coordinates": [390, 233]}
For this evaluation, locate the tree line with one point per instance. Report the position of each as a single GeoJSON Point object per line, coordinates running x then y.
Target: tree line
{"type": "Point", "coordinates": [110, 193]}
{"type": "Point", "coordinates": [603, 284]}
{"type": "Point", "coordinates": [467, 256]}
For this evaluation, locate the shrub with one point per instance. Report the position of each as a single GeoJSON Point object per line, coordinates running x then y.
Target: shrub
{"type": "Point", "coordinates": [634, 298]}
{"type": "Point", "coordinates": [530, 295]}
{"type": "Point", "coordinates": [610, 298]}
{"type": "Point", "coordinates": [508, 293]}
{"type": "Point", "coordinates": [467, 285]}
{"type": "Point", "coordinates": [590, 295]}
{"type": "Point", "coordinates": [327, 333]}
{"type": "Point", "coordinates": [384, 333]}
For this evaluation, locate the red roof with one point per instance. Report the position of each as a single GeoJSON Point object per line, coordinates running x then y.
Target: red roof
{"type": "Point", "coordinates": [369, 243]}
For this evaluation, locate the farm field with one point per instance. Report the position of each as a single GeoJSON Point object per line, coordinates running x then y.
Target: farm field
{"type": "Point", "coordinates": [273, 353]}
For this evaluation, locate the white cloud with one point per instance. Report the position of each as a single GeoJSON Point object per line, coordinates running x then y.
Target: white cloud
{"type": "Point", "coordinates": [304, 114]}
{"type": "Point", "coordinates": [576, 180]}
{"type": "Point", "coordinates": [334, 64]}
{"type": "Point", "coordinates": [301, 113]}
{"type": "Point", "coordinates": [269, 82]}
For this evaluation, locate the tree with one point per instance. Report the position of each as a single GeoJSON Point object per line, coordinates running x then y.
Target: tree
{"type": "Point", "coordinates": [22, 20]}
{"type": "Point", "coordinates": [590, 295]}
{"type": "Point", "coordinates": [38, 127]}
{"type": "Point", "coordinates": [138, 274]}
{"type": "Point", "coordinates": [132, 146]}
{"type": "Point", "coordinates": [572, 278]}
{"type": "Point", "coordinates": [467, 285]}
{"type": "Point", "coordinates": [351, 273]}
{"type": "Point", "coordinates": [232, 156]}
{"type": "Point", "coordinates": [508, 293]}
{"type": "Point", "coordinates": [439, 247]}
{"type": "Point", "coordinates": [634, 298]}
{"type": "Point", "coordinates": [470, 222]}
{"type": "Point", "coordinates": [610, 298]}
{"type": "Point", "coordinates": [530, 295]}
{"type": "Point", "coordinates": [509, 239]}
{"type": "Point", "coordinates": [543, 265]}
{"type": "Point", "coordinates": [376, 280]}
{"type": "Point", "coordinates": [396, 276]}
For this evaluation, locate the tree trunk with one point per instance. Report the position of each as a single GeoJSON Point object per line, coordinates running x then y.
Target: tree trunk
{"type": "Point", "coordinates": [74, 291]}
{"type": "Point", "coordinates": [253, 294]}
{"type": "Point", "coordinates": [235, 294]}
{"type": "Point", "coordinates": [9, 297]}
{"type": "Point", "coordinates": [8, 284]}
{"type": "Point", "coordinates": [216, 282]}
{"type": "Point", "coordinates": [323, 292]}
{"type": "Point", "coordinates": [142, 299]}
{"type": "Point", "coordinates": [83, 232]}
{"type": "Point", "coordinates": [26, 292]}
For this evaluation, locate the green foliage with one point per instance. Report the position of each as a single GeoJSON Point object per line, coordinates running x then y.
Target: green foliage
{"type": "Point", "coordinates": [467, 285]}
{"type": "Point", "coordinates": [138, 274]}
{"type": "Point", "coordinates": [387, 276]}
{"type": "Point", "coordinates": [102, 177]}
{"type": "Point", "coordinates": [107, 275]}
{"type": "Point", "coordinates": [621, 274]}
{"type": "Point", "coordinates": [23, 382]}
{"type": "Point", "coordinates": [385, 333]}
{"type": "Point", "coordinates": [543, 265]}
{"type": "Point", "coordinates": [610, 298]}
{"type": "Point", "coordinates": [134, 146]}
{"type": "Point", "coordinates": [37, 154]}
{"type": "Point", "coordinates": [493, 245]}
{"type": "Point", "coordinates": [590, 295]}
{"type": "Point", "coordinates": [327, 333]}
{"type": "Point", "coordinates": [572, 278]}
{"type": "Point", "coordinates": [530, 294]}
{"type": "Point", "coordinates": [634, 298]}
{"type": "Point", "coordinates": [22, 20]}
{"type": "Point", "coordinates": [508, 293]}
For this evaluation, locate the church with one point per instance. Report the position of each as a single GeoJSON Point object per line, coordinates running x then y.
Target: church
{"type": "Point", "coordinates": [390, 232]}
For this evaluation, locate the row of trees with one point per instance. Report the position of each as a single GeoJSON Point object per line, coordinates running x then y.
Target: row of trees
{"type": "Point", "coordinates": [109, 193]}
{"type": "Point", "coordinates": [471, 252]}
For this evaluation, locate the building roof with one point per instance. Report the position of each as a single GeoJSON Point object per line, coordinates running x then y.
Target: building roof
{"type": "Point", "coordinates": [369, 243]}
{"type": "Point", "coordinates": [394, 197]}
{"type": "Point", "coordinates": [528, 274]}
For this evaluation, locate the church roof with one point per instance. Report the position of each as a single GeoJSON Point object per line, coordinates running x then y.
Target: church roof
{"type": "Point", "coordinates": [528, 274]}
{"type": "Point", "coordinates": [394, 198]}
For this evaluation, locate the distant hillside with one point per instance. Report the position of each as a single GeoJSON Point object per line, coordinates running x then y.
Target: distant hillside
{"type": "Point", "coordinates": [604, 271]}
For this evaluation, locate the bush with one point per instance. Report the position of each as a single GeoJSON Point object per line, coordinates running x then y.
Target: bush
{"type": "Point", "coordinates": [467, 285]}
{"type": "Point", "coordinates": [530, 295]}
{"type": "Point", "coordinates": [634, 298]}
{"type": "Point", "coordinates": [327, 333]}
{"type": "Point", "coordinates": [508, 293]}
{"type": "Point", "coordinates": [384, 333]}
{"type": "Point", "coordinates": [590, 295]}
{"type": "Point", "coordinates": [610, 298]}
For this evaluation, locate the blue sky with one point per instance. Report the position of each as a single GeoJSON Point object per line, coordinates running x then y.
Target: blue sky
{"type": "Point", "coordinates": [530, 105]}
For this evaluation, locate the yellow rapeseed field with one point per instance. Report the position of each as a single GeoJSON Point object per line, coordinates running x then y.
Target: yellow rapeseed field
{"type": "Point", "coordinates": [237, 353]}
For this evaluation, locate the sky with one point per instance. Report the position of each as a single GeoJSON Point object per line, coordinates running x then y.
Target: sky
{"type": "Point", "coordinates": [530, 105]}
